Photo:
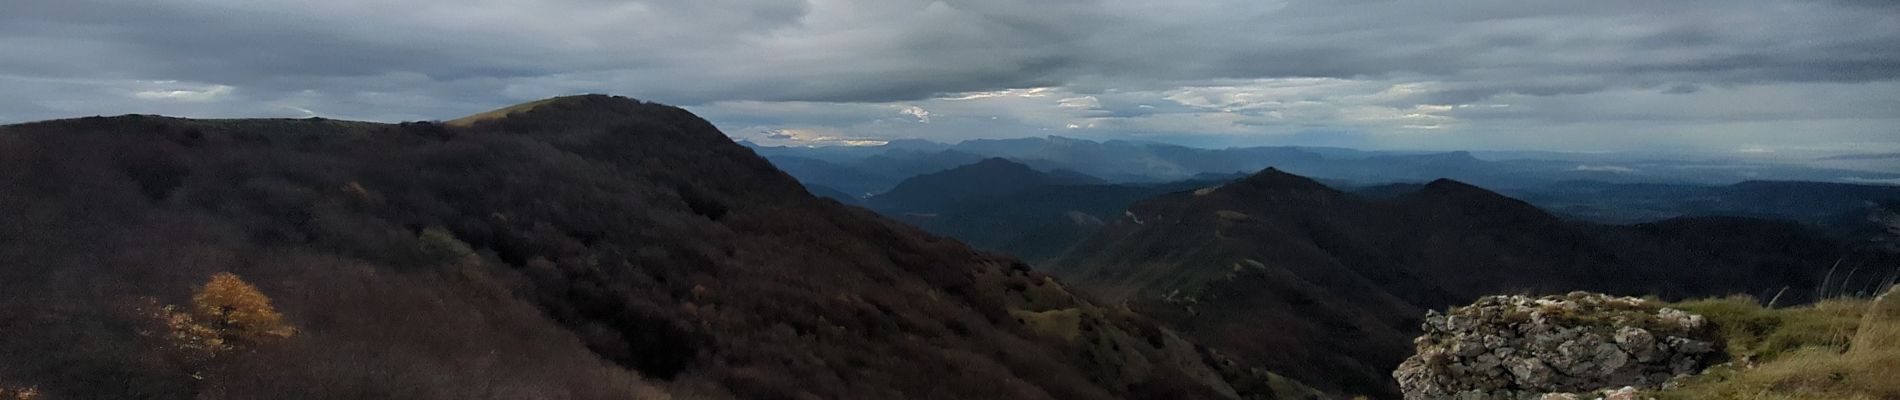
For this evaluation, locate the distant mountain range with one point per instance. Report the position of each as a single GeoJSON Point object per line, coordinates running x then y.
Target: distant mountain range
{"type": "Point", "coordinates": [875, 169]}
{"type": "Point", "coordinates": [1007, 206]}
{"type": "Point", "coordinates": [1326, 284]}
{"type": "Point", "coordinates": [1317, 282]}
{"type": "Point", "coordinates": [1877, 156]}
{"type": "Point", "coordinates": [1837, 207]}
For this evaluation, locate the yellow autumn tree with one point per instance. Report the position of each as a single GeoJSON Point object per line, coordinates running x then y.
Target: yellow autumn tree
{"type": "Point", "coordinates": [19, 393]}
{"type": "Point", "coordinates": [196, 340]}
{"type": "Point", "coordinates": [225, 314]}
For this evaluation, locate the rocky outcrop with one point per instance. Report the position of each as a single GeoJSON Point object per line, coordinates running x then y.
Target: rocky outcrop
{"type": "Point", "coordinates": [1521, 347]}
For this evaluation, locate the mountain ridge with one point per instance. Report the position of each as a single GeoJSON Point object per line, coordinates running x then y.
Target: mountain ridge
{"type": "Point", "coordinates": [1276, 261]}
{"type": "Point", "coordinates": [1123, 161]}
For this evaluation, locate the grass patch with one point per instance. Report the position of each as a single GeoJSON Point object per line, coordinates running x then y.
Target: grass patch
{"type": "Point", "coordinates": [491, 115]}
{"type": "Point", "coordinates": [1064, 323]}
{"type": "Point", "coordinates": [1755, 334]}
{"type": "Point", "coordinates": [1837, 349]}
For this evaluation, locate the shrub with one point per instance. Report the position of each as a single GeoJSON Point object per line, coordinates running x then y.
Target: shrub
{"type": "Point", "coordinates": [19, 393]}
{"type": "Point", "coordinates": [439, 247]}
{"type": "Point", "coordinates": [240, 313]}
{"type": "Point", "coordinates": [226, 314]}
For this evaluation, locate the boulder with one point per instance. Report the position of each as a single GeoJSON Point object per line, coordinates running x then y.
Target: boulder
{"type": "Point", "coordinates": [1555, 347]}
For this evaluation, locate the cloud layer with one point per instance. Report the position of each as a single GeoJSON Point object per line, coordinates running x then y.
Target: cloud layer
{"type": "Point", "coordinates": [1691, 74]}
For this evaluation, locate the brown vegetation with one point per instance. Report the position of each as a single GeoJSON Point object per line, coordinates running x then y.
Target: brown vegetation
{"type": "Point", "coordinates": [19, 393]}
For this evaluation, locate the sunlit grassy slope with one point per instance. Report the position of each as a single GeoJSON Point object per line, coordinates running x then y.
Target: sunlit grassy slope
{"type": "Point", "coordinates": [1836, 349]}
{"type": "Point", "coordinates": [501, 112]}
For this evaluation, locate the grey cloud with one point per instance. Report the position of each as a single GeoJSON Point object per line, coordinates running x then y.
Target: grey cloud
{"type": "Point", "coordinates": [844, 65]}
{"type": "Point", "coordinates": [693, 52]}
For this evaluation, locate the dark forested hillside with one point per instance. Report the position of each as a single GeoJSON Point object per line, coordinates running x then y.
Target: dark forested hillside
{"type": "Point", "coordinates": [1329, 286]}
{"type": "Point", "coordinates": [588, 247]}
{"type": "Point", "coordinates": [986, 180]}
{"type": "Point", "coordinates": [834, 194]}
{"type": "Point", "coordinates": [862, 171]}
{"type": "Point", "coordinates": [1834, 207]}
{"type": "Point", "coordinates": [847, 180]}
{"type": "Point", "coordinates": [1038, 224]}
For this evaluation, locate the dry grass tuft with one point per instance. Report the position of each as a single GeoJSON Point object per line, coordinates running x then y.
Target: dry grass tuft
{"type": "Point", "coordinates": [1803, 353]}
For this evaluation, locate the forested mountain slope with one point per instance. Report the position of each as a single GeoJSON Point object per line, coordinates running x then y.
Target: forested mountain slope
{"type": "Point", "coordinates": [1329, 286]}
{"type": "Point", "coordinates": [588, 247]}
{"type": "Point", "coordinates": [984, 181]}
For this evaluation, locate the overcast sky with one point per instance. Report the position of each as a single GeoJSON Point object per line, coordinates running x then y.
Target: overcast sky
{"type": "Point", "coordinates": [1742, 76]}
